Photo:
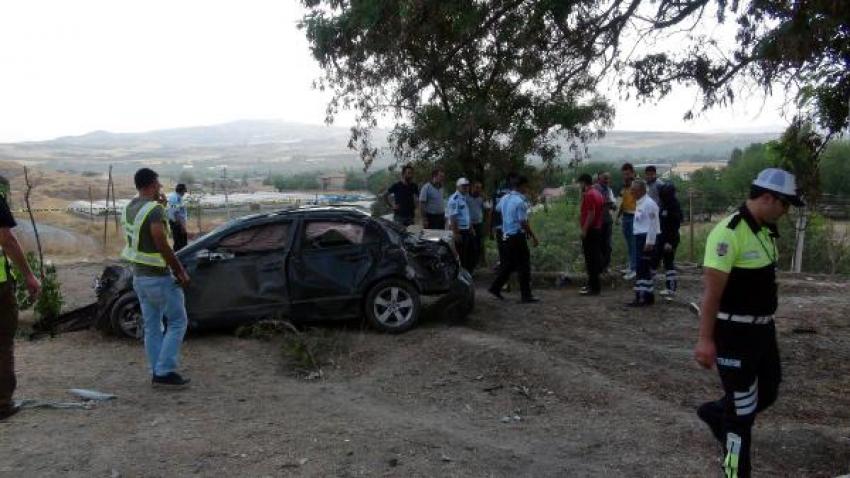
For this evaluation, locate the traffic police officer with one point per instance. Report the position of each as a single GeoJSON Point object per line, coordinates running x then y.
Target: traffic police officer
{"type": "Point", "coordinates": [457, 211]}
{"type": "Point", "coordinates": [9, 247]}
{"type": "Point", "coordinates": [514, 210]}
{"type": "Point", "coordinates": [736, 318]}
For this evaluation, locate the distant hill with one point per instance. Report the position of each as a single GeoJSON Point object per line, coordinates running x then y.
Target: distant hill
{"type": "Point", "coordinates": [259, 147]}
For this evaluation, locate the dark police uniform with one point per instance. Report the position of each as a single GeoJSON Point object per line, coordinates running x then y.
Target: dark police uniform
{"type": "Point", "coordinates": [744, 334]}
{"type": "Point", "coordinates": [8, 314]}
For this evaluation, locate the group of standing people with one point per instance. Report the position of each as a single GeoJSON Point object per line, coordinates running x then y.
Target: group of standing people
{"type": "Point", "coordinates": [462, 212]}
{"type": "Point", "coordinates": [650, 215]}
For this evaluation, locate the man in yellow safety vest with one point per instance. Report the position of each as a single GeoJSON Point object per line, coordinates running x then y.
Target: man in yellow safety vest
{"type": "Point", "coordinates": [158, 278]}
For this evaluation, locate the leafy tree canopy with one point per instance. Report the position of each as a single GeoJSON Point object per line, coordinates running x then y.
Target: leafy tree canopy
{"type": "Point", "coordinates": [479, 85]}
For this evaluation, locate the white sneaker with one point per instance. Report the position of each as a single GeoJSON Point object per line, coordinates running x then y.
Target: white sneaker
{"type": "Point", "coordinates": [666, 293]}
{"type": "Point", "coordinates": [630, 275]}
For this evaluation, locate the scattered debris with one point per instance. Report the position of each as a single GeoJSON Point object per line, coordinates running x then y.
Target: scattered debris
{"type": "Point", "coordinates": [804, 330]}
{"type": "Point", "coordinates": [92, 395]}
{"type": "Point", "coordinates": [31, 403]}
{"type": "Point", "coordinates": [493, 388]}
{"type": "Point", "coordinates": [393, 462]}
{"type": "Point", "coordinates": [445, 458]}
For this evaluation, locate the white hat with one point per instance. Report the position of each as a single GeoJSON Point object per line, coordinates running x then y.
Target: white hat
{"type": "Point", "coordinates": [781, 182]}
{"type": "Point", "coordinates": [462, 182]}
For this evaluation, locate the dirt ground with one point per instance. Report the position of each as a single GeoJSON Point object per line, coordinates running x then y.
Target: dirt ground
{"type": "Point", "coordinates": [572, 386]}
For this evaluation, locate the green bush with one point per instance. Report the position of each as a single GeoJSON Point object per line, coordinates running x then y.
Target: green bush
{"type": "Point", "coordinates": [49, 303]}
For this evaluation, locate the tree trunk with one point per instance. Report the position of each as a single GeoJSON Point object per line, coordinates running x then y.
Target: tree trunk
{"type": "Point", "coordinates": [800, 243]}
{"type": "Point", "coordinates": [30, 185]}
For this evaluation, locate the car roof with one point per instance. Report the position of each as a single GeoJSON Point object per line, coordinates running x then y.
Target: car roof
{"type": "Point", "coordinates": [307, 211]}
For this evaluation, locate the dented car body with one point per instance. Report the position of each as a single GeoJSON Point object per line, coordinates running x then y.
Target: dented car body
{"type": "Point", "coordinates": [303, 264]}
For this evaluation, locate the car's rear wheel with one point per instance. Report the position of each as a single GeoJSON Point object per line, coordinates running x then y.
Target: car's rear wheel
{"type": "Point", "coordinates": [393, 306]}
{"type": "Point", "coordinates": [126, 317]}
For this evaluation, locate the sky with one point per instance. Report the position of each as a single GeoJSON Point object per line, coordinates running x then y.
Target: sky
{"type": "Point", "coordinates": [71, 67]}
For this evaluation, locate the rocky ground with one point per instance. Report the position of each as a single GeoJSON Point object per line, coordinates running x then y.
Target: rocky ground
{"type": "Point", "coordinates": [571, 386]}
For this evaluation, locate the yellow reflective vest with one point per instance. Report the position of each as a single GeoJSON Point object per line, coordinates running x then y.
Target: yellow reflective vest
{"type": "Point", "coordinates": [132, 230]}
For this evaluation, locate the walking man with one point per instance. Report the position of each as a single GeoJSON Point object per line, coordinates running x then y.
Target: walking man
{"type": "Point", "coordinates": [476, 216]}
{"type": "Point", "coordinates": [10, 249]}
{"type": "Point", "coordinates": [404, 195]}
{"type": "Point", "coordinates": [459, 219]}
{"type": "Point", "coordinates": [431, 198]}
{"type": "Point", "coordinates": [591, 221]}
{"type": "Point", "coordinates": [515, 228]}
{"type": "Point", "coordinates": [736, 330]}
{"type": "Point", "coordinates": [646, 230]}
{"type": "Point", "coordinates": [178, 217]}
{"type": "Point", "coordinates": [496, 232]}
{"type": "Point", "coordinates": [671, 220]}
{"type": "Point", "coordinates": [160, 293]}
{"type": "Point", "coordinates": [628, 205]}
{"type": "Point", "coordinates": [602, 185]}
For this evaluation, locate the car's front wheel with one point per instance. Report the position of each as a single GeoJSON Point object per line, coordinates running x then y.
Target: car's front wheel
{"type": "Point", "coordinates": [393, 306]}
{"type": "Point", "coordinates": [126, 317]}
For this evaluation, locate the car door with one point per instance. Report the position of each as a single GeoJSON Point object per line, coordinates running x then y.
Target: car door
{"type": "Point", "coordinates": [334, 259]}
{"type": "Point", "coordinates": [241, 277]}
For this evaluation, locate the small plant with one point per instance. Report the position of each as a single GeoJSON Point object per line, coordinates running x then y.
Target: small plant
{"type": "Point", "coordinates": [49, 303]}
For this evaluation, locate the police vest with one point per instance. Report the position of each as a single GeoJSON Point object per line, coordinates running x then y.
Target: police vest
{"type": "Point", "coordinates": [132, 230]}
{"type": "Point", "coordinates": [4, 276]}
{"type": "Point", "coordinates": [750, 249]}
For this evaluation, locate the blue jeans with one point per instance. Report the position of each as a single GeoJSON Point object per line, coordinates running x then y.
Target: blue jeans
{"type": "Point", "coordinates": [628, 234]}
{"type": "Point", "coordinates": [161, 298]}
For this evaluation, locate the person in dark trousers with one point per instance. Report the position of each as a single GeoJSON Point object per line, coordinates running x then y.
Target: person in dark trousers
{"type": "Point", "coordinates": [403, 194]}
{"type": "Point", "coordinates": [431, 199]}
{"type": "Point", "coordinates": [10, 250]}
{"type": "Point", "coordinates": [736, 330]}
{"type": "Point", "coordinates": [475, 199]}
{"type": "Point", "coordinates": [646, 229]}
{"type": "Point", "coordinates": [457, 211]}
{"type": "Point", "coordinates": [671, 220]}
{"type": "Point", "coordinates": [515, 228]}
{"type": "Point", "coordinates": [603, 185]}
{"type": "Point", "coordinates": [591, 220]}
{"type": "Point", "coordinates": [500, 192]}
{"type": "Point", "coordinates": [178, 217]}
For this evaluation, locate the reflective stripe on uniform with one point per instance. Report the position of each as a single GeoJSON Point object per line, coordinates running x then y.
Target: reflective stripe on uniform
{"type": "Point", "coordinates": [132, 230]}
{"type": "Point", "coordinates": [745, 319]}
{"type": "Point", "coordinates": [3, 277]}
{"type": "Point", "coordinates": [733, 451]}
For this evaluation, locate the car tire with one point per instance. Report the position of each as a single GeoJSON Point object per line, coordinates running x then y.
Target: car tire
{"type": "Point", "coordinates": [392, 306]}
{"type": "Point", "coordinates": [126, 317]}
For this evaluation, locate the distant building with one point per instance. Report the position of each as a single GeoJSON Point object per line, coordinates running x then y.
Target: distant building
{"type": "Point", "coordinates": [333, 181]}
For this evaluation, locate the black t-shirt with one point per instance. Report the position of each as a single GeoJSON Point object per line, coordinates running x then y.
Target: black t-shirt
{"type": "Point", "coordinates": [405, 195]}
{"type": "Point", "coordinates": [6, 219]}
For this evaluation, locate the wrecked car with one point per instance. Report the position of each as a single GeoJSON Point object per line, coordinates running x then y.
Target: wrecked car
{"type": "Point", "coordinates": [302, 264]}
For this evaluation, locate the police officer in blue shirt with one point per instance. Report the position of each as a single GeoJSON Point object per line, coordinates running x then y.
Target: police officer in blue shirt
{"type": "Point", "coordinates": [514, 211]}
{"type": "Point", "coordinates": [457, 212]}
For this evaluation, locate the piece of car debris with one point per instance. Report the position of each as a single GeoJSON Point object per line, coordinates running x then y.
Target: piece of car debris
{"type": "Point", "coordinates": [93, 395]}
{"type": "Point", "coordinates": [804, 330]}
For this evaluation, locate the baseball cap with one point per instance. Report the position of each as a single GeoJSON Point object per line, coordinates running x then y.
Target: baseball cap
{"type": "Point", "coordinates": [781, 182]}
{"type": "Point", "coordinates": [462, 182]}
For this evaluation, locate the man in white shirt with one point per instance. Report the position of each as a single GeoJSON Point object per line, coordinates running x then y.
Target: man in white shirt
{"type": "Point", "coordinates": [646, 228]}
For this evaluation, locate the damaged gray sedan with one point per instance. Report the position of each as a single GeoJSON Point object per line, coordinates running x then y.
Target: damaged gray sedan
{"type": "Point", "coordinates": [303, 264]}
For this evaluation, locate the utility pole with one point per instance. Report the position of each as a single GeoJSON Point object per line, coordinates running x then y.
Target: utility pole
{"type": "Point", "coordinates": [691, 221]}
{"type": "Point", "coordinates": [226, 200]}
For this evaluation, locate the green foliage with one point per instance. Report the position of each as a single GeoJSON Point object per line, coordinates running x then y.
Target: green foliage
{"type": "Point", "coordinates": [475, 86]}
{"type": "Point", "coordinates": [49, 303]}
{"type": "Point", "coordinates": [294, 182]}
{"type": "Point", "coordinates": [355, 181]}
{"type": "Point", "coordinates": [801, 45]}
{"type": "Point", "coordinates": [835, 169]}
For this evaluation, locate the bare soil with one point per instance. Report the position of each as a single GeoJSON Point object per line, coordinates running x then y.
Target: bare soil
{"type": "Point", "coordinates": [572, 386]}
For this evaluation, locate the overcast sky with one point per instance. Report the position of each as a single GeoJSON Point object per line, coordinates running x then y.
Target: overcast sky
{"type": "Point", "coordinates": [70, 67]}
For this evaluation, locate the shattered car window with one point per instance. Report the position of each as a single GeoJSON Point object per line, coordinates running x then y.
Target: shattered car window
{"type": "Point", "coordinates": [323, 234]}
{"type": "Point", "coordinates": [267, 237]}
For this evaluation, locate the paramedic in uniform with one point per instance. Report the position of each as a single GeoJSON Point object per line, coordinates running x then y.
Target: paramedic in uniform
{"type": "Point", "coordinates": [736, 330]}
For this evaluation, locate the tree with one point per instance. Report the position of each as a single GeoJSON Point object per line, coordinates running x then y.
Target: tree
{"type": "Point", "coordinates": [474, 85]}
{"type": "Point", "coordinates": [801, 46]}
{"type": "Point", "coordinates": [186, 177]}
